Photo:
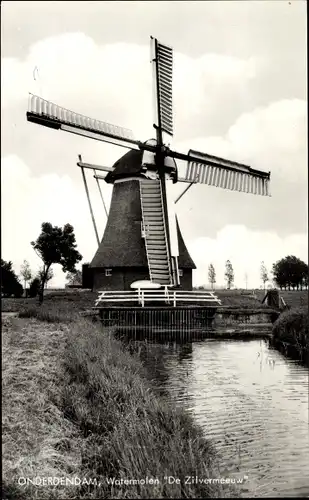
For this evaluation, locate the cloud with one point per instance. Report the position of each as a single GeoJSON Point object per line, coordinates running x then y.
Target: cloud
{"type": "Point", "coordinates": [216, 111]}
{"type": "Point", "coordinates": [114, 81]}
{"type": "Point", "coordinates": [271, 138]}
{"type": "Point", "coordinates": [246, 250]}
{"type": "Point", "coordinates": [29, 200]}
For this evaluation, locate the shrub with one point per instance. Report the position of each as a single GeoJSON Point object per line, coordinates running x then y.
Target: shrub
{"type": "Point", "coordinates": [18, 290]}
{"type": "Point", "coordinates": [34, 287]}
{"type": "Point", "coordinates": [9, 281]}
{"type": "Point", "coordinates": [292, 327]}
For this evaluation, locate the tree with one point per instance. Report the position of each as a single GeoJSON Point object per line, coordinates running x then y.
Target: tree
{"type": "Point", "coordinates": [229, 274]}
{"type": "Point", "coordinates": [49, 276]}
{"type": "Point", "coordinates": [56, 246]}
{"type": "Point", "coordinates": [264, 274]}
{"type": "Point", "coordinates": [290, 272]}
{"type": "Point", "coordinates": [74, 279]}
{"type": "Point", "coordinates": [26, 273]}
{"type": "Point", "coordinates": [246, 280]}
{"type": "Point", "coordinates": [9, 281]}
{"type": "Point", "coordinates": [303, 282]}
{"type": "Point", "coordinates": [211, 275]}
{"type": "Point", "coordinates": [34, 287]}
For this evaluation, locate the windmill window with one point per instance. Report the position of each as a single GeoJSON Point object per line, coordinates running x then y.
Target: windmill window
{"type": "Point", "coordinates": [108, 272]}
{"type": "Point", "coordinates": [180, 272]}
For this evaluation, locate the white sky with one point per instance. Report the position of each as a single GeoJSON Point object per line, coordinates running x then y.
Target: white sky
{"type": "Point", "coordinates": [239, 91]}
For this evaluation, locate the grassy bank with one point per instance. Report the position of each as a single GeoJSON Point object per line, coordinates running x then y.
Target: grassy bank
{"type": "Point", "coordinates": [231, 299]}
{"type": "Point", "coordinates": [291, 330]}
{"type": "Point", "coordinates": [37, 441]}
{"type": "Point", "coordinates": [62, 300]}
{"type": "Point", "coordinates": [76, 403]}
{"type": "Point", "coordinates": [246, 299]}
{"type": "Point", "coordinates": [242, 299]}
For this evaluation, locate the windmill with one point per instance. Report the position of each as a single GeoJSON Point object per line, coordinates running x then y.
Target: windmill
{"type": "Point", "coordinates": [142, 238]}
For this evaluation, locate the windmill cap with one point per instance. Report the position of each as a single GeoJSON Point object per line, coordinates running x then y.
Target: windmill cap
{"type": "Point", "coordinates": [133, 163]}
{"type": "Point", "coordinates": [130, 164]}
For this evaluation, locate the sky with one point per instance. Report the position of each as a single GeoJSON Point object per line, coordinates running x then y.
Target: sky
{"type": "Point", "coordinates": [239, 92]}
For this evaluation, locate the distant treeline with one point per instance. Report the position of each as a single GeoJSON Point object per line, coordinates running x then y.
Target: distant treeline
{"type": "Point", "coordinates": [289, 273]}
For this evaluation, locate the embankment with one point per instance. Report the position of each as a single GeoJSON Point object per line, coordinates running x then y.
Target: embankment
{"type": "Point", "coordinates": [77, 404]}
{"type": "Point", "coordinates": [243, 323]}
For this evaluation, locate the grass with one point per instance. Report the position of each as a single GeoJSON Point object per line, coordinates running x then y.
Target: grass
{"type": "Point", "coordinates": [49, 313]}
{"type": "Point", "coordinates": [63, 300]}
{"type": "Point", "coordinates": [239, 299]}
{"type": "Point", "coordinates": [292, 329]}
{"type": "Point", "coordinates": [295, 298]}
{"type": "Point", "coordinates": [129, 432]}
{"type": "Point", "coordinates": [76, 402]}
{"type": "Point", "coordinates": [37, 440]}
{"type": "Point", "coordinates": [245, 299]}
{"type": "Point", "coordinates": [79, 300]}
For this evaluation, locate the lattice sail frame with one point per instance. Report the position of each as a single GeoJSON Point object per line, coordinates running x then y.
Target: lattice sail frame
{"type": "Point", "coordinates": [201, 168]}
{"type": "Point", "coordinates": [57, 116]}
{"type": "Point", "coordinates": [162, 57]}
{"type": "Point", "coordinates": [226, 174]}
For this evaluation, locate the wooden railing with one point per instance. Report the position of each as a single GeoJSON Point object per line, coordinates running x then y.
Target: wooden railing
{"type": "Point", "coordinates": [143, 297]}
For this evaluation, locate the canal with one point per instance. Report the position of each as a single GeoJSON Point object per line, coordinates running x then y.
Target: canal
{"type": "Point", "coordinates": [249, 399]}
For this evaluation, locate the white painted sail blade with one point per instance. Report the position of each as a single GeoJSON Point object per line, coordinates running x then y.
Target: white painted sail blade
{"type": "Point", "coordinates": [164, 57]}
{"type": "Point", "coordinates": [171, 213]}
{"type": "Point", "coordinates": [50, 114]}
{"type": "Point", "coordinates": [219, 172]}
{"type": "Point", "coordinates": [157, 248]}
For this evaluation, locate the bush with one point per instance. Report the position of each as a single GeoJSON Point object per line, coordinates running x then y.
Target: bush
{"type": "Point", "coordinates": [9, 281]}
{"type": "Point", "coordinates": [292, 327]}
{"type": "Point", "coordinates": [34, 287]}
{"type": "Point", "coordinates": [17, 290]}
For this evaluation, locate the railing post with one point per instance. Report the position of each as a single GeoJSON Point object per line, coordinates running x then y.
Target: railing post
{"type": "Point", "coordinates": [174, 298]}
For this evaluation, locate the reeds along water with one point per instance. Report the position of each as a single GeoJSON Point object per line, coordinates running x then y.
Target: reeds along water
{"type": "Point", "coordinates": [292, 351]}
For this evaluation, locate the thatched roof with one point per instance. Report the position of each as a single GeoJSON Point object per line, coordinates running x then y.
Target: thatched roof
{"type": "Point", "coordinates": [129, 164]}
{"type": "Point", "coordinates": [122, 244]}
{"type": "Point", "coordinates": [184, 261]}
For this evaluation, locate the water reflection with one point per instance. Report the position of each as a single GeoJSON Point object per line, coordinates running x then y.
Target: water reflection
{"type": "Point", "coordinates": [249, 399]}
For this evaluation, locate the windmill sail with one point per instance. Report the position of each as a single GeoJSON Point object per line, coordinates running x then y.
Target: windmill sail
{"type": "Point", "coordinates": [219, 172]}
{"type": "Point", "coordinates": [51, 115]}
{"type": "Point", "coordinates": [171, 216]}
{"type": "Point", "coordinates": [142, 181]}
{"type": "Point", "coordinates": [163, 59]}
{"type": "Point", "coordinates": [156, 242]}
